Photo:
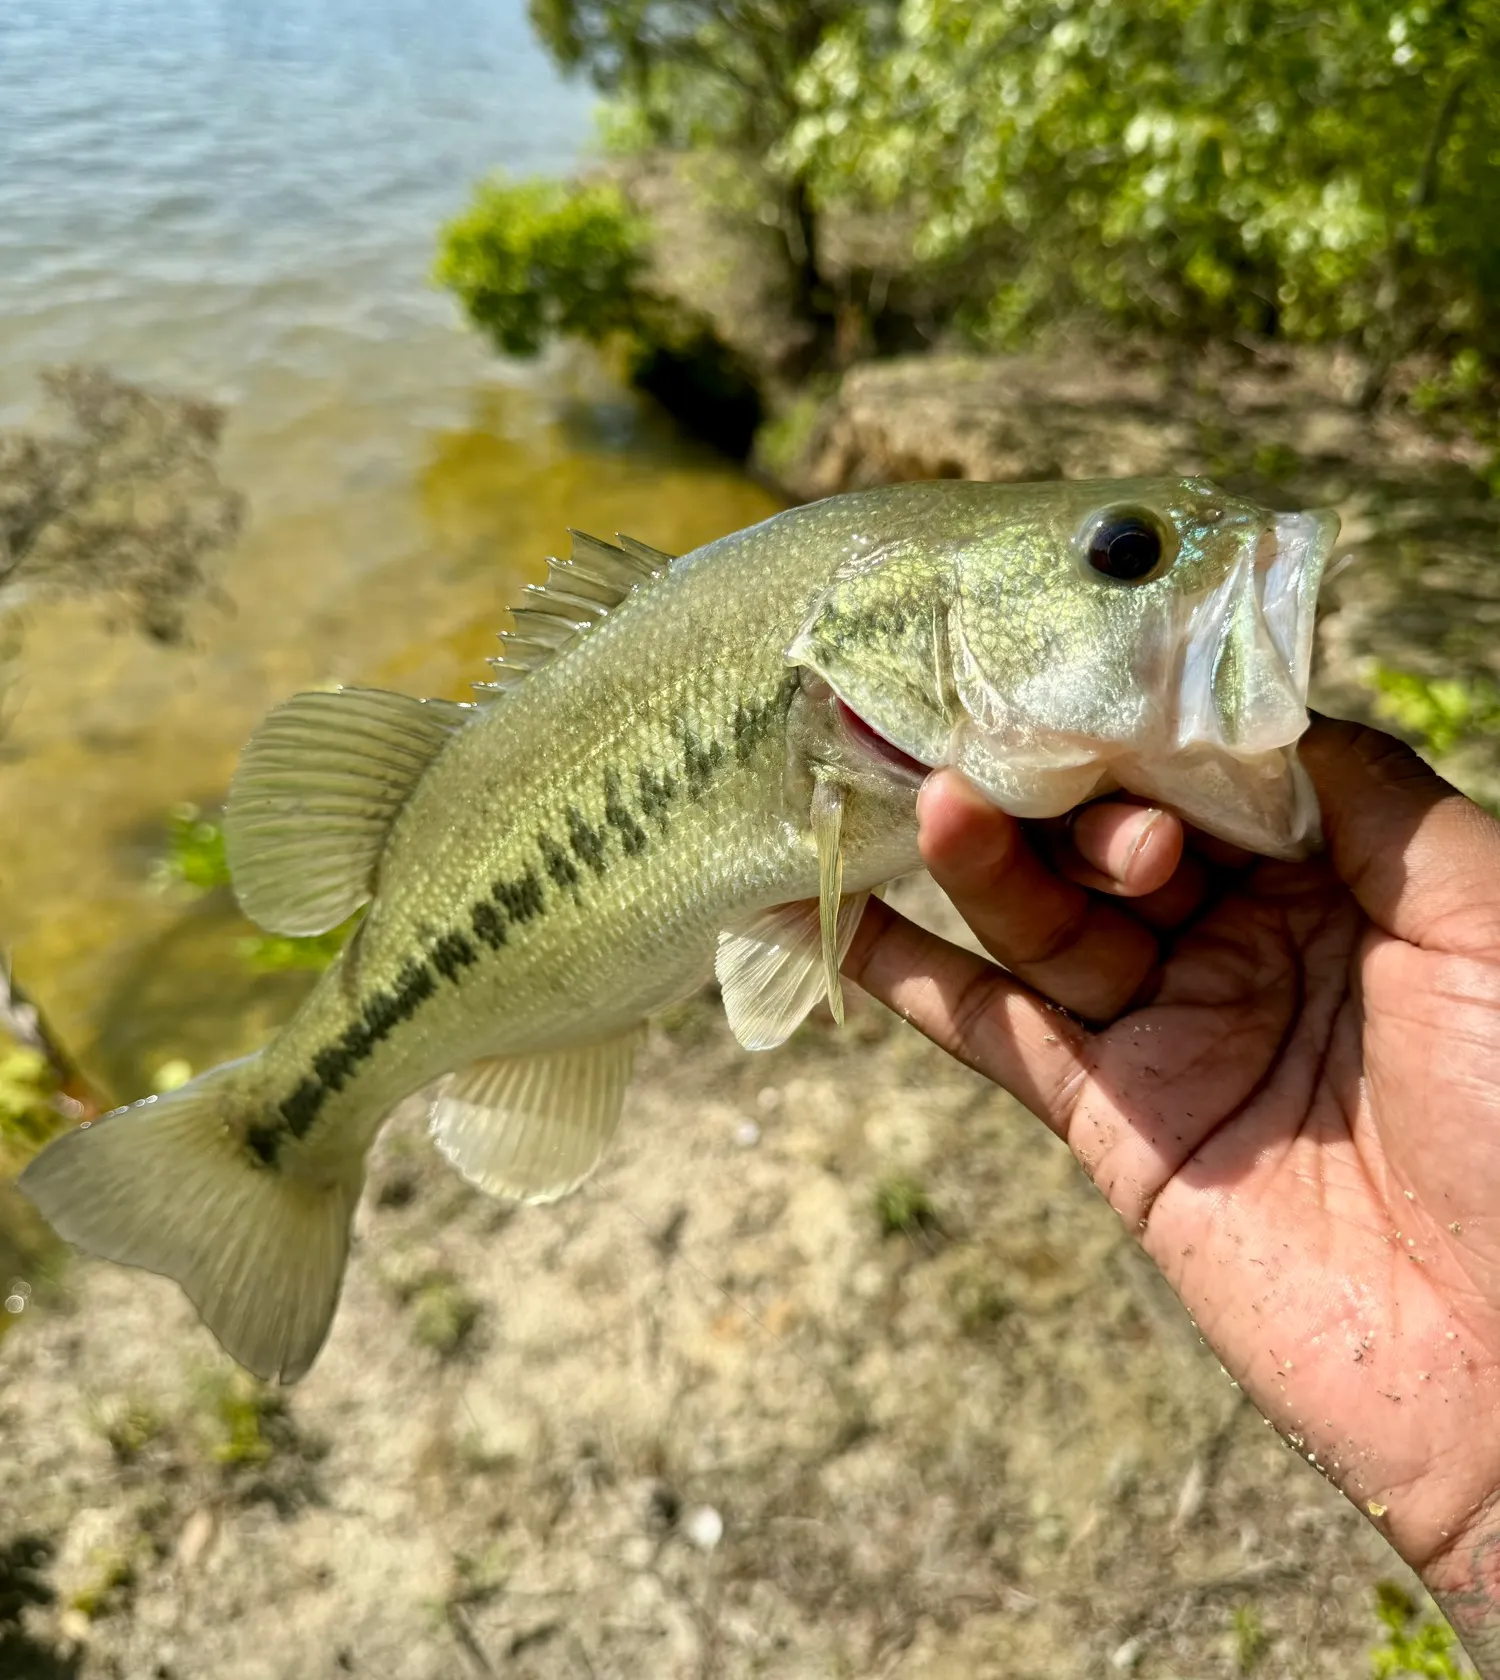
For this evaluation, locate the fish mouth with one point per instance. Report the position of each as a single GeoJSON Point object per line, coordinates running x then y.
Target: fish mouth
{"type": "Point", "coordinates": [1247, 648]}
{"type": "Point", "coordinates": [868, 739]}
{"type": "Point", "coordinates": [1288, 579]}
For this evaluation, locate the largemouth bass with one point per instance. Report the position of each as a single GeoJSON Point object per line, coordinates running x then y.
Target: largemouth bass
{"type": "Point", "coordinates": [690, 765]}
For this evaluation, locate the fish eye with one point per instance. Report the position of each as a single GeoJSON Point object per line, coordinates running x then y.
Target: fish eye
{"type": "Point", "coordinates": [1126, 544]}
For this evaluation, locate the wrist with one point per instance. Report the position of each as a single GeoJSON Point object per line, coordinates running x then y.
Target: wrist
{"type": "Point", "coordinates": [1464, 1579]}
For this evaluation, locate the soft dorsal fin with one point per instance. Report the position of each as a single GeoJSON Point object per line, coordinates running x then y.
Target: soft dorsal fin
{"type": "Point", "coordinates": [771, 970]}
{"type": "Point", "coordinates": [586, 587]}
{"type": "Point", "coordinates": [534, 1127]}
{"type": "Point", "coordinates": [313, 799]}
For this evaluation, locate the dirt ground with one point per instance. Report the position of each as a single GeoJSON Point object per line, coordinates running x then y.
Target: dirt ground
{"type": "Point", "coordinates": [838, 1368]}
{"type": "Point", "coordinates": [712, 1417]}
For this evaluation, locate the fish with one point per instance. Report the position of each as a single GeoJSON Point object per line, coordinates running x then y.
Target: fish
{"type": "Point", "coordinates": [685, 768]}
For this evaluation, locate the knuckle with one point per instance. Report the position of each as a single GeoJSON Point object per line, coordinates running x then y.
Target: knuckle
{"type": "Point", "coordinates": [1049, 939]}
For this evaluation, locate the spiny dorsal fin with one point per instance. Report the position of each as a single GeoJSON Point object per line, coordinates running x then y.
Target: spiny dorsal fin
{"type": "Point", "coordinates": [652, 558]}
{"type": "Point", "coordinates": [579, 592]}
{"type": "Point", "coordinates": [313, 799]}
{"type": "Point", "coordinates": [534, 1127]}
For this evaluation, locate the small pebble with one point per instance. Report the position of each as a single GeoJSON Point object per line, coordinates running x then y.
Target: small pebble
{"type": "Point", "coordinates": [703, 1527]}
{"type": "Point", "coordinates": [1125, 1657]}
{"type": "Point", "coordinates": [747, 1134]}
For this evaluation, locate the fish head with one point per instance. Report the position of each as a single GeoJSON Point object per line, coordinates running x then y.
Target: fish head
{"type": "Point", "coordinates": [1055, 642]}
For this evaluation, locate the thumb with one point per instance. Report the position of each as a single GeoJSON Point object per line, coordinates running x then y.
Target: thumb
{"type": "Point", "coordinates": [1422, 860]}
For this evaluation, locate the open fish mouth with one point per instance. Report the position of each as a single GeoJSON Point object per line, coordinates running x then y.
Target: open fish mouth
{"type": "Point", "coordinates": [869, 741]}
{"type": "Point", "coordinates": [1247, 645]}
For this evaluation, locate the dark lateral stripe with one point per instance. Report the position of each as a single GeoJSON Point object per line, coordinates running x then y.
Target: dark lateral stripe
{"type": "Point", "coordinates": [559, 865]}
{"type": "Point", "coordinates": [488, 923]}
{"type": "Point", "coordinates": [586, 840]}
{"type": "Point", "coordinates": [620, 816]}
{"type": "Point", "coordinates": [333, 1064]}
{"type": "Point", "coordinates": [512, 903]}
{"type": "Point", "coordinates": [452, 953]}
{"type": "Point", "coordinates": [657, 793]}
{"type": "Point", "coordinates": [522, 898]}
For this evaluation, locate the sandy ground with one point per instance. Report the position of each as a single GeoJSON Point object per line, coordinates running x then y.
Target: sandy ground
{"type": "Point", "coordinates": [708, 1418]}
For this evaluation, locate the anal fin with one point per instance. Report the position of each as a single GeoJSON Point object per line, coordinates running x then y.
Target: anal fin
{"type": "Point", "coordinates": [534, 1127]}
{"type": "Point", "coordinates": [773, 970]}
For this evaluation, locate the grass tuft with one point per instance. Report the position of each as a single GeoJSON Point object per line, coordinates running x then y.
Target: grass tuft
{"type": "Point", "coordinates": [903, 1207]}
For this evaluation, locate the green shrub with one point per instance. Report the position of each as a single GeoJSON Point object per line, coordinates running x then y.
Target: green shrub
{"type": "Point", "coordinates": [533, 260]}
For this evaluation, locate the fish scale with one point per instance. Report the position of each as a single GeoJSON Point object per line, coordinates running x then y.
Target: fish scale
{"type": "Point", "coordinates": [685, 768]}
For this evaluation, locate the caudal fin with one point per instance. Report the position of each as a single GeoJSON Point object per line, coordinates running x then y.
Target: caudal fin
{"type": "Point", "coordinates": [169, 1185]}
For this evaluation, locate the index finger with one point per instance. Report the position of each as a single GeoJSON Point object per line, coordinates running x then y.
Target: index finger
{"type": "Point", "coordinates": [1423, 861]}
{"type": "Point", "coordinates": [976, 1012]}
{"type": "Point", "coordinates": [1074, 945]}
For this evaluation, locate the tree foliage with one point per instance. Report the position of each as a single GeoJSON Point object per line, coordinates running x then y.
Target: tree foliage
{"type": "Point", "coordinates": [721, 73]}
{"type": "Point", "coordinates": [1265, 166]}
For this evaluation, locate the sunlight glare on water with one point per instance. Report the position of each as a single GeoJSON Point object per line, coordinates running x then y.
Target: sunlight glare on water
{"type": "Point", "coordinates": [239, 199]}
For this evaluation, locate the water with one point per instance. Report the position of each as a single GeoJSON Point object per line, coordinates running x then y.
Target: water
{"type": "Point", "coordinates": [239, 198]}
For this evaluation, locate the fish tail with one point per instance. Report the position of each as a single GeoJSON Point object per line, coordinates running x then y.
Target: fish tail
{"type": "Point", "coordinates": [173, 1185]}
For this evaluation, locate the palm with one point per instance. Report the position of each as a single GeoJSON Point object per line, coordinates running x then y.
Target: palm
{"type": "Point", "coordinates": [1295, 1119]}
{"type": "Point", "coordinates": [1296, 1101]}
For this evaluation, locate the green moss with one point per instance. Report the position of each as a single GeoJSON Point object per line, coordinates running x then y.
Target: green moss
{"type": "Point", "coordinates": [195, 859]}
{"type": "Point", "coordinates": [1275, 462]}
{"type": "Point", "coordinates": [902, 1206]}
{"type": "Point", "coordinates": [194, 855]}
{"type": "Point", "coordinates": [112, 1574]}
{"type": "Point", "coordinates": [275, 953]}
{"type": "Point", "coordinates": [28, 1112]}
{"type": "Point", "coordinates": [240, 1415]}
{"type": "Point", "coordinates": [443, 1316]}
{"type": "Point", "coordinates": [1248, 1638]}
{"type": "Point", "coordinates": [781, 440]}
{"type": "Point", "coordinates": [130, 1425]}
{"type": "Point", "coordinates": [1414, 1644]}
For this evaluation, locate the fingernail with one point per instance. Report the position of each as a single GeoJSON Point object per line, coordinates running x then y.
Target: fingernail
{"type": "Point", "coordinates": [1135, 837]}
{"type": "Point", "coordinates": [1111, 840]}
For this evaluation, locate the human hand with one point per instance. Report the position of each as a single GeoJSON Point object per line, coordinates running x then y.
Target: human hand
{"type": "Point", "coordinates": [1289, 1088]}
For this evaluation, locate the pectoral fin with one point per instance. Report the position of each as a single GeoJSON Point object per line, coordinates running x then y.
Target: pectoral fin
{"type": "Point", "coordinates": [534, 1127]}
{"type": "Point", "coordinates": [827, 827]}
{"type": "Point", "coordinates": [773, 970]}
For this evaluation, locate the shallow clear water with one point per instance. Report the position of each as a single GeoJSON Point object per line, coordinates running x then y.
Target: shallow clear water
{"type": "Point", "coordinates": [239, 198]}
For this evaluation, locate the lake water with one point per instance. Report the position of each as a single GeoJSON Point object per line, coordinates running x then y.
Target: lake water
{"type": "Point", "coordinates": [239, 199]}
